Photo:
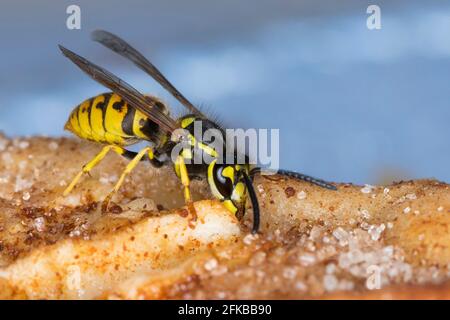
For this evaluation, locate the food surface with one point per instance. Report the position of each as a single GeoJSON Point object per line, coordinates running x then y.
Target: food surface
{"type": "Point", "coordinates": [357, 242]}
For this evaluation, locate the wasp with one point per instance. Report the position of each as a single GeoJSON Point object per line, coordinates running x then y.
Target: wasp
{"type": "Point", "coordinates": [125, 116]}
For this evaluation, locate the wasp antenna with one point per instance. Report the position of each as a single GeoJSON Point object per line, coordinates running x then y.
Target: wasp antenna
{"type": "Point", "coordinates": [255, 204]}
{"type": "Point", "coordinates": [303, 177]}
{"type": "Point", "coordinates": [255, 171]}
{"type": "Point", "coordinates": [299, 176]}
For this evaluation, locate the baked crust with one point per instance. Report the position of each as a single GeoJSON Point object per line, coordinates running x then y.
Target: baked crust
{"type": "Point", "coordinates": [314, 243]}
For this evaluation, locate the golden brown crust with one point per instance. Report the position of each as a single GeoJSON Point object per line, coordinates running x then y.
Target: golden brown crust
{"type": "Point", "coordinates": [404, 292]}
{"type": "Point", "coordinates": [314, 243]}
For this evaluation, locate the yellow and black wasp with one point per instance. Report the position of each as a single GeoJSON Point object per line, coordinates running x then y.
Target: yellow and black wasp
{"type": "Point", "coordinates": [125, 116]}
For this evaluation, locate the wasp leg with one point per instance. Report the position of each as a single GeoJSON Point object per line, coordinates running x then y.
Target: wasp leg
{"type": "Point", "coordinates": [181, 169]}
{"type": "Point", "coordinates": [91, 164]}
{"type": "Point", "coordinates": [130, 155]}
{"type": "Point", "coordinates": [130, 166]}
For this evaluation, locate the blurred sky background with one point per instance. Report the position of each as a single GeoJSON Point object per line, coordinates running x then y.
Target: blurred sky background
{"type": "Point", "coordinates": [352, 104]}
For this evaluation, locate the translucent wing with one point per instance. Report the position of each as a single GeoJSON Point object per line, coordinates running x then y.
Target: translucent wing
{"type": "Point", "coordinates": [133, 97]}
{"type": "Point", "coordinates": [121, 47]}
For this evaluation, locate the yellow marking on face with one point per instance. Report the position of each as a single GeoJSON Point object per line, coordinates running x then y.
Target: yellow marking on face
{"type": "Point", "coordinates": [187, 121]}
{"type": "Point", "coordinates": [229, 173]}
{"type": "Point", "coordinates": [212, 184]}
{"type": "Point", "coordinates": [98, 132]}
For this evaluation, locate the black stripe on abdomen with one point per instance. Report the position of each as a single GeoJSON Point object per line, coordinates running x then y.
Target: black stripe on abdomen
{"type": "Point", "coordinates": [103, 105]}
{"type": "Point", "coordinates": [128, 120]}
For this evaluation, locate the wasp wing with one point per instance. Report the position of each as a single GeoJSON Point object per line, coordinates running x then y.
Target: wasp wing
{"type": "Point", "coordinates": [121, 47]}
{"type": "Point", "coordinates": [133, 97]}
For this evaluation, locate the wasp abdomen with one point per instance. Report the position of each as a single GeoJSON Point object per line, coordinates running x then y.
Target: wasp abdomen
{"type": "Point", "coordinates": [107, 118]}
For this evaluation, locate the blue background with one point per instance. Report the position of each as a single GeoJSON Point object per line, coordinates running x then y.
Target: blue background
{"type": "Point", "coordinates": [352, 104]}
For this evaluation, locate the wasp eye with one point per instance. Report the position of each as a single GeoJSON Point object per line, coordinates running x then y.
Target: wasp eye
{"type": "Point", "coordinates": [223, 180]}
{"type": "Point", "coordinates": [219, 176]}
